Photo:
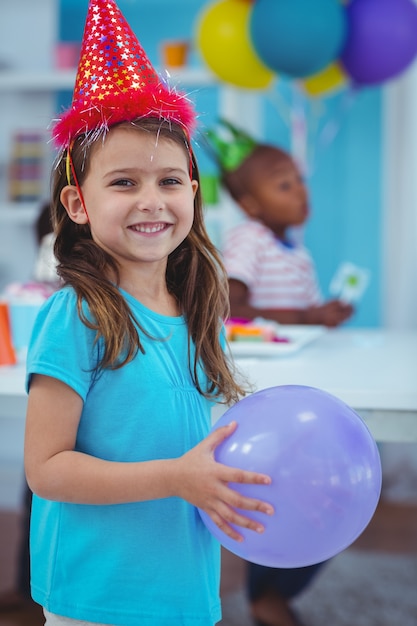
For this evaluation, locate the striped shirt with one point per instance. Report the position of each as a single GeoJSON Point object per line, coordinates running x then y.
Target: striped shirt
{"type": "Point", "coordinates": [277, 276]}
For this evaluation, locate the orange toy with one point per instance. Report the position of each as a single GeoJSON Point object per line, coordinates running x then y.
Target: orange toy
{"type": "Point", "coordinates": [7, 353]}
{"type": "Point", "coordinates": [245, 332]}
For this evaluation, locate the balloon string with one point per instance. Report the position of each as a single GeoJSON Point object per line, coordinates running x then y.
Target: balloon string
{"type": "Point", "coordinates": [332, 127]}
{"type": "Point", "coordinates": [299, 131]}
{"type": "Point", "coordinates": [303, 117]}
{"type": "Point", "coordinates": [321, 139]}
{"type": "Point", "coordinates": [278, 101]}
{"type": "Point", "coordinates": [317, 113]}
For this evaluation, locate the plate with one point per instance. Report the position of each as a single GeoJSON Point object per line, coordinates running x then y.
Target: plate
{"type": "Point", "coordinates": [297, 337]}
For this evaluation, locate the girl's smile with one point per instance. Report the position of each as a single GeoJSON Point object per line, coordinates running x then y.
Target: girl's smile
{"type": "Point", "coordinates": [149, 228]}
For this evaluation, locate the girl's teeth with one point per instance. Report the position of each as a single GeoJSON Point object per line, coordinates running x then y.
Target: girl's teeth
{"type": "Point", "coordinates": [149, 229]}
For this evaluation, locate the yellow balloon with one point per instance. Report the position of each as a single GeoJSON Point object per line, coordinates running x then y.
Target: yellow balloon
{"type": "Point", "coordinates": [223, 38]}
{"type": "Point", "coordinates": [332, 78]}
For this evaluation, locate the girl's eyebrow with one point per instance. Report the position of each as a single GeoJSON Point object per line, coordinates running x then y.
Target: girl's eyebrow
{"type": "Point", "coordinates": [134, 170]}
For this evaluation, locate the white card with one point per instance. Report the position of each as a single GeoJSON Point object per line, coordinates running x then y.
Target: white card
{"type": "Point", "coordinates": [349, 283]}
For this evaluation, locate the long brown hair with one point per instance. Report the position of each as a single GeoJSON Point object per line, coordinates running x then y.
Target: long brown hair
{"type": "Point", "coordinates": [195, 276]}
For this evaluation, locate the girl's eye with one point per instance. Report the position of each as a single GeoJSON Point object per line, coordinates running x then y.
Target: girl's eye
{"type": "Point", "coordinates": [170, 181]}
{"type": "Point", "coordinates": [122, 182]}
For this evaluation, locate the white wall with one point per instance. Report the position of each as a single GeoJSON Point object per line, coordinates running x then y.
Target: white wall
{"type": "Point", "coordinates": [400, 201]}
{"type": "Point", "coordinates": [27, 37]}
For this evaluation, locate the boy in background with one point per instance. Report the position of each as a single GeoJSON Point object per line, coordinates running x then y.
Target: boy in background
{"type": "Point", "coordinates": [270, 275]}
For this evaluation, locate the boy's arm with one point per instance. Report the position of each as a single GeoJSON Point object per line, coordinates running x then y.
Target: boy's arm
{"type": "Point", "coordinates": [330, 314]}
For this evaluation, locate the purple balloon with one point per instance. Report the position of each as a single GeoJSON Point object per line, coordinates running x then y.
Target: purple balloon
{"type": "Point", "coordinates": [325, 470]}
{"type": "Point", "coordinates": [381, 41]}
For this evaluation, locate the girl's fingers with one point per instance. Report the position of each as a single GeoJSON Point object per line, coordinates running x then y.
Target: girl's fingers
{"type": "Point", "coordinates": [237, 501]}
{"type": "Point", "coordinates": [225, 516]}
{"type": "Point", "coordinates": [218, 435]}
{"type": "Point", "coordinates": [228, 530]}
{"type": "Point", "coordinates": [236, 475]}
{"type": "Point", "coordinates": [237, 520]}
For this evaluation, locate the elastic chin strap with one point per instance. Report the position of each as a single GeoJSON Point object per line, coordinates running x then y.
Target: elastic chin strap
{"type": "Point", "coordinates": [190, 152]}
{"type": "Point", "coordinates": [191, 165]}
{"type": "Point", "coordinates": [70, 169]}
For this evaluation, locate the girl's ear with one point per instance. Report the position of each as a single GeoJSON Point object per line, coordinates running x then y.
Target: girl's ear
{"type": "Point", "coordinates": [71, 200]}
{"type": "Point", "coordinates": [194, 185]}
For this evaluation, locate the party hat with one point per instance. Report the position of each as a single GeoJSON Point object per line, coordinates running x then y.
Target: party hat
{"type": "Point", "coordinates": [7, 353]}
{"type": "Point", "coordinates": [228, 145]}
{"type": "Point", "coordinates": [115, 80]}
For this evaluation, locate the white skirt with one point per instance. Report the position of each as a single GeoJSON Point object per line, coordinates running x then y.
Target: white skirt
{"type": "Point", "coordinates": [58, 620]}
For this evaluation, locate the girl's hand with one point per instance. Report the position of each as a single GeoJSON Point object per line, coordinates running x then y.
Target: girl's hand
{"type": "Point", "coordinates": [204, 483]}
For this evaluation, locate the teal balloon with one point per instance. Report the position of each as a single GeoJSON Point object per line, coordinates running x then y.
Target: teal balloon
{"type": "Point", "coordinates": [298, 38]}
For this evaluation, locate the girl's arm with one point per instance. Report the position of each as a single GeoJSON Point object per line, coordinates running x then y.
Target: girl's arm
{"type": "Point", "coordinates": [55, 471]}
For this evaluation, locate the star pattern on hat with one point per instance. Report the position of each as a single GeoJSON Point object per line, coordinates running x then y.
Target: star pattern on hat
{"type": "Point", "coordinates": [112, 60]}
{"type": "Point", "coordinates": [116, 81]}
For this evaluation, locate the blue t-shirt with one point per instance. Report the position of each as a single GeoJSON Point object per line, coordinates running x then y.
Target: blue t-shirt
{"type": "Point", "coordinates": [149, 563]}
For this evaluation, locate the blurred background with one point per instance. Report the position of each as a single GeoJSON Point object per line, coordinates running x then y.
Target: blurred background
{"type": "Point", "coordinates": [334, 82]}
{"type": "Point", "coordinates": [352, 129]}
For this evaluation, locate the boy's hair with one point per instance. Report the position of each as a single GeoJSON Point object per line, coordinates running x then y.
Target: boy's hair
{"type": "Point", "coordinates": [195, 276]}
{"type": "Point", "coordinates": [239, 181]}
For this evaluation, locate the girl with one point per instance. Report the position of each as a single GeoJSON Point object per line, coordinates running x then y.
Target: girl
{"type": "Point", "coordinates": [126, 361]}
{"type": "Point", "coordinates": [124, 364]}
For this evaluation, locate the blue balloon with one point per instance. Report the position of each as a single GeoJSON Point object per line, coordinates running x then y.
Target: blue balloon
{"type": "Point", "coordinates": [298, 37]}
{"type": "Point", "coordinates": [325, 470]}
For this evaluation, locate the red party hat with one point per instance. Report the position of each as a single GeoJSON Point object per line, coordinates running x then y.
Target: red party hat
{"type": "Point", "coordinates": [116, 81]}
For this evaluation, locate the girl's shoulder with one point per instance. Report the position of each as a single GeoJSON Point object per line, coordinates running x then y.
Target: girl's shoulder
{"type": "Point", "coordinates": [62, 297]}
{"type": "Point", "coordinates": [60, 312]}
{"type": "Point", "coordinates": [64, 300]}
{"type": "Point", "coordinates": [61, 345]}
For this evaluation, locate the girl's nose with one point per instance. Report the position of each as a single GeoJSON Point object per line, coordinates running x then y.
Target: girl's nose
{"type": "Point", "coordinates": [149, 199]}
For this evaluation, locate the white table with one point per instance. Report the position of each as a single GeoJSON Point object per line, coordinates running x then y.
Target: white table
{"type": "Point", "coordinates": [372, 370]}
{"type": "Point", "coordinates": [12, 391]}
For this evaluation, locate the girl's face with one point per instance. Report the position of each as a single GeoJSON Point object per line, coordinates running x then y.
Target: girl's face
{"type": "Point", "coordinates": [138, 196]}
{"type": "Point", "coordinates": [278, 196]}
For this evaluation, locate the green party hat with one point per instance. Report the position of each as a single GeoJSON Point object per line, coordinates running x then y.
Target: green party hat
{"type": "Point", "coordinates": [228, 145]}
